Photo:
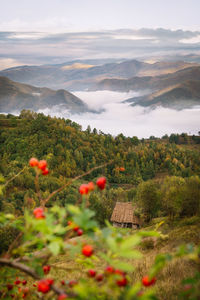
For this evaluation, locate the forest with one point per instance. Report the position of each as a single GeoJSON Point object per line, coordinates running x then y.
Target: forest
{"type": "Point", "coordinates": [160, 176]}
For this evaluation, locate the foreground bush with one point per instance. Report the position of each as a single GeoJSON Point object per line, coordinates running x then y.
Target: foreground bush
{"type": "Point", "coordinates": [73, 230]}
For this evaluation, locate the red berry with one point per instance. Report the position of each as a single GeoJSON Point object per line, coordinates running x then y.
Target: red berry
{"type": "Point", "coordinates": [91, 273]}
{"type": "Point", "coordinates": [90, 186]}
{"type": "Point", "coordinates": [63, 282]}
{"type": "Point", "coordinates": [122, 169]}
{"type": "Point", "coordinates": [17, 282]}
{"type": "Point", "coordinates": [69, 223]}
{"type": "Point", "coordinates": [99, 277]}
{"type": "Point", "coordinates": [34, 285]}
{"type": "Point", "coordinates": [9, 287]}
{"type": "Point", "coordinates": [79, 232]}
{"type": "Point", "coordinates": [62, 296]}
{"type": "Point", "coordinates": [109, 270]}
{"type": "Point", "coordinates": [101, 183]}
{"type": "Point", "coordinates": [87, 250]}
{"type": "Point", "coordinates": [122, 282]}
{"type": "Point", "coordinates": [43, 286]}
{"type": "Point", "coordinates": [83, 190]}
{"type": "Point", "coordinates": [76, 228]}
{"type": "Point", "coordinates": [147, 282]}
{"type": "Point", "coordinates": [42, 164]}
{"type": "Point", "coordinates": [46, 269]}
{"type": "Point", "coordinates": [39, 213]}
{"type": "Point", "coordinates": [45, 172]}
{"type": "Point", "coordinates": [50, 281]}
{"type": "Point", "coordinates": [33, 162]}
{"type": "Point", "coordinates": [24, 282]}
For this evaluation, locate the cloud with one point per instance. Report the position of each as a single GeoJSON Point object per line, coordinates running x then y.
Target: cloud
{"type": "Point", "coordinates": [138, 121]}
{"type": "Point", "coordinates": [6, 63]}
{"type": "Point", "coordinates": [193, 40]}
{"type": "Point", "coordinates": [51, 47]}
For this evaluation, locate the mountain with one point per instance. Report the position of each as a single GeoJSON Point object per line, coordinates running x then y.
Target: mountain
{"type": "Point", "coordinates": [149, 82]}
{"type": "Point", "coordinates": [81, 75]}
{"type": "Point", "coordinates": [17, 96]}
{"type": "Point", "coordinates": [180, 96]}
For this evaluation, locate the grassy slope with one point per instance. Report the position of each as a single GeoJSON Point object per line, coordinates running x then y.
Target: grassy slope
{"type": "Point", "coordinates": [168, 284]}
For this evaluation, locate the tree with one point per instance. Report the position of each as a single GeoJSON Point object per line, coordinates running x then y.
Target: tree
{"type": "Point", "coordinates": [171, 192]}
{"type": "Point", "coordinates": [191, 196]}
{"type": "Point", "coordinates": [148, 198]}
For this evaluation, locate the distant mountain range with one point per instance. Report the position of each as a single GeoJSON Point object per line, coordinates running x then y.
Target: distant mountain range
{"type": "Point", "coordinates": [16, 96]}
{"type": "Point", "coordinates": [172, 84]}
{"type": "Point", "coordinates": [82, 75]}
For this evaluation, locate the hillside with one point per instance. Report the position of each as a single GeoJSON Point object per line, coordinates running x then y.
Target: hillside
{"type": "Point", "coordinates": [80, 75]}
{"type": "Point", "coordinates": [149, 82]}
{"type": "Point", "coordinates": [16, 96]}
{"type": "Point", "coordinates": [184, 95]}
{"type": "Point", "coordinates": [70, 151]}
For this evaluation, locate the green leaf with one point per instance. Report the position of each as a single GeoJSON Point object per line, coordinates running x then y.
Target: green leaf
{"type": "Point", "coordinates": [133, 291]}
{"type": "Point", "coordinates": [74, 210]}
{"type": "Point", "coordinates": [54, 247]}
{"type": "Point", "coordinates": [149, 233]}
{"type": "Point", "coordinates": [134, 254]}
{"type": "Point", "coordinates": [130, 242]}
{"type": "Point", "coordinates": [127, 267]}
{"type": "Point", "coordinates": [112, 244]}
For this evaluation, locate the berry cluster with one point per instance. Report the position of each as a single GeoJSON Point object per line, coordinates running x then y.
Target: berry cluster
{"type": "Point", "coordinates": [44, 285]}
{"type": "Point", "coordinates": [46, 269]}
{"type": "Point", "coordinates": [121, 280]}
{"type": "Point", "coordinates": [86, 188]}
{"type": "Point", "coordinates": [75, 228]}
{"type": "Point", "coordinates": [23, 290]}
{"type": "Point", "coordinates": [40, 165]}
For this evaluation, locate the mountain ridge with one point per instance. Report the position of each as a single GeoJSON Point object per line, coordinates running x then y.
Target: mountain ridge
{"type": "Point", "coordinates": [18, 96]}
{"type": "Point", "coordinates": [65, 76]}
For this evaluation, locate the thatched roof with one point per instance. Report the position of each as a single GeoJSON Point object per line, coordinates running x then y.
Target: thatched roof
{"type": "Point", "coordinates": [123, 213]}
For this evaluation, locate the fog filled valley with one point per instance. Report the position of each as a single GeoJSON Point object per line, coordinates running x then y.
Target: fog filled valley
{"type": "Point", "coordinates": [115, 117]}
{"type": "Point", "coordinates": [129, 96]}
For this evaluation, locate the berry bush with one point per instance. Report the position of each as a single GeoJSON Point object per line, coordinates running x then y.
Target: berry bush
{"type": "Point", "coordinates": [45, 233]}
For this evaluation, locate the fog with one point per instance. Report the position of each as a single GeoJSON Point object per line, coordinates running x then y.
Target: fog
{"type": "Point", "coordinates": [118, 117]}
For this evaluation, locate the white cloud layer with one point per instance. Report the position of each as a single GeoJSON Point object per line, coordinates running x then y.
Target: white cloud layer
{"type": "Point", "coordinates": [131, 121]}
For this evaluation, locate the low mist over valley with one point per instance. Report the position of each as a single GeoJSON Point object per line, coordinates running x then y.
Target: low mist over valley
{"type": "Point", "coordinates": [136, 81]}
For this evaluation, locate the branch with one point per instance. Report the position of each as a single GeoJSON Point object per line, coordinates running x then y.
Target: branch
{"type": "Point", "coordinates": [19, 266]}
{"type": "Point", "coordinates": [28, 271]}
{"type": "Point", "coordinates": [13, 244]}
{"type": "Point", "coordinates": [11, 179]}
{"type": "Point", "coordinates": [44, 201]}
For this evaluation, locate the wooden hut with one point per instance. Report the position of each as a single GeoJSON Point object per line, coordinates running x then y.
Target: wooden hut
{"type": "Point", "coordinates": [123, 216]}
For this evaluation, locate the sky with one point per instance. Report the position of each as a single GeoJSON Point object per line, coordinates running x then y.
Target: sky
{"type": "Point", "coordinates": [35, 32]}
{"type": "Point", "coordinates": [88, 15]}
